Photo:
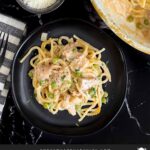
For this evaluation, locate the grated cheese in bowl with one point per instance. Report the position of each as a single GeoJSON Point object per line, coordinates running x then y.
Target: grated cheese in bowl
{"type": "Point", "coordinates": [39, 4]}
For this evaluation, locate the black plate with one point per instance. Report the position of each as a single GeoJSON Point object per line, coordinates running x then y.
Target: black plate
{"type": "Point", "coordinates": [63, 123]}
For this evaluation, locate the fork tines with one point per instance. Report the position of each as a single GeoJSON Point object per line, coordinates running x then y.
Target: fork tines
{"type": "Point", "coordinates": [3, 45]}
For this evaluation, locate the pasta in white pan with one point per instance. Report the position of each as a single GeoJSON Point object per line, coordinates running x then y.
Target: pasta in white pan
{"type": "Point", "coordinates": [139, 13]}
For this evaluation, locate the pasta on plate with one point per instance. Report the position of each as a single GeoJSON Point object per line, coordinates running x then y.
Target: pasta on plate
{"type": "Point", "coordinates": [68, 74]}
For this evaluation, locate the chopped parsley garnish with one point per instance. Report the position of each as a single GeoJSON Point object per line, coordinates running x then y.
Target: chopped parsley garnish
{"type": "Point", "coordinates": [78, 73]}
{"type": "Point", "coordinates": [104, 100]}
{"type": "Point", "coordinates": [139, 25]}
{"type": "Point", "coordinates": [63, 77]}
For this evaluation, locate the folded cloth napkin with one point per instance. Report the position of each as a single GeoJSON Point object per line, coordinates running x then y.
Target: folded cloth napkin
{"type": "Point", "coordinates": [16, 31]}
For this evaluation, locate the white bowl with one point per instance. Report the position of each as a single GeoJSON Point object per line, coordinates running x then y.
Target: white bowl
{"type": "Point", "coordinates": [49, 9]}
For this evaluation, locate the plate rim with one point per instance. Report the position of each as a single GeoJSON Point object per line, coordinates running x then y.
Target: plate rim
{"type": "Point", "coordinates": [124, 70]}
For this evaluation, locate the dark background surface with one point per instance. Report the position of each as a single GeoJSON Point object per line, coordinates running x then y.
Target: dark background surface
{"type": "Point", "coordinates": [131, 126]}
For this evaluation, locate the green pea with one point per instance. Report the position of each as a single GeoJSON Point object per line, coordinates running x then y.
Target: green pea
{"type": "Point", "coordinates": [139, 25]}
{"type": "Point", "coordinates": [146, 22]}
{"type": "Point", "coordinates": [30, 74]}
{"type": "Point", "coordinates": [92, 92]}
{"type": "Point", "coordinates": [130, 18]}
{"type": "Point", "coordinates": [51, 95]}
{"type": "Point", "coordinates": [104, 100]}
{"type": "Point", "coordinates": [42, 82]}
{"type": "Point", "coordinates": [47, 105]}
{"type": "Point", "coordinates": [55, 60]}
{"type": "Point", "coordinates": [53, 84]}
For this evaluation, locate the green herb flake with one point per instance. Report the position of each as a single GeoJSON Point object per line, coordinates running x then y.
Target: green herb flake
{"type": "Point", "coordinates": [55, 60]}
{"type": "Point", "coordinates": [53, 84]}
{"type": "Point", "coordinates": [92, 92]}
{"type": "Point", "coordinates": [63, 77]}
{"type": "Point", "coordinates": [78, 73]}
{"type": "Point", "coordinates": [51, 95]}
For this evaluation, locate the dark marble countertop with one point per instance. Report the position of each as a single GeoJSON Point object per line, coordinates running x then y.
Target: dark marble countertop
{"type": "Point", "coordinates": [131, 126]}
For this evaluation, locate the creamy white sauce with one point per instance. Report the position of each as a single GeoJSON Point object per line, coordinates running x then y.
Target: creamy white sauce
{"type": "Point", "coordinates": [39, 4]}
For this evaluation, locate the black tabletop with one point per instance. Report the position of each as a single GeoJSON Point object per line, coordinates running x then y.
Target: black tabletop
{"type": "Point", "coordinates": [131, 126]}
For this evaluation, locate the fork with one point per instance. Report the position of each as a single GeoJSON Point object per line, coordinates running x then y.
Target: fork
{"type": "Point", "coordinates": [3, 45]}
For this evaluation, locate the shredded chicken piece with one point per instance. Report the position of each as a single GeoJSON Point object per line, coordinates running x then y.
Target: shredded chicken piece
{"type": "Point", "coordinates": [75, 101]}
{"type": "Point", "coordinates": [43, 72]}
{"type": "Point", "coordinates": [70, 53]}
{"type": "Point", "coordinates": [79, 64]}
